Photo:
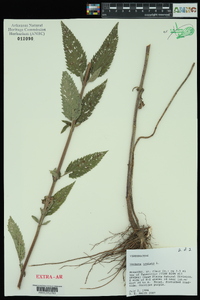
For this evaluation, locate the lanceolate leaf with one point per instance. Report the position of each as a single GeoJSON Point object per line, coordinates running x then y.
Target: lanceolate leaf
{"type": "Point", "coordinates": [104, 57]}
{"type": "Point", "coordinates": [17, 238]}
{"type": "Point", "coordinates": [75, 56]}
{"type": "Point", "coordinates": [68, 124]}
{"type": "Point", "coordinates": [59, 198]}
{"type": "Point", "coordinates": [95, 75]}
{"type": "Point", "coordinates": [83, 165]}
{"type": "Point", "coordinates": [35, 219]}
{"type": "Point", "coordinates": [90, 101]}
{"type": "Point", "coordinates": [47, 222]}
{"type": "Point", "coordinates": [71, 100]}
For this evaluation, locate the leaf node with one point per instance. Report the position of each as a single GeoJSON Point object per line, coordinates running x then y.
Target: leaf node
{"type": "Point", "coordinates": [59, 198]}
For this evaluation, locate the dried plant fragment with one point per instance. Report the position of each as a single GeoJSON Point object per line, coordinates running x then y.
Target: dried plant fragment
{"type": "Point", "coordinates": [68, 124]}
{"type": "Point", "coordinates": [74, 55]}
{"type": "Point", "coordinates": [71, 99]}
{"type": "Point", "coordinates": [17, 238]}
{"type": "Point", "coordinates": [81, 166]}
{"type": "Point", "coordinates": [95, 75]}
{"type": "Point", "coordinates": [35, 219]}
{"type": "Point", "coordinates": [90, 101]}
{"type": "Point", "coordinates": [104, 56]}
{"type": "Point", "coordinates": [58, 199]}
{"type": "Point", "coordinates": [135, 236]}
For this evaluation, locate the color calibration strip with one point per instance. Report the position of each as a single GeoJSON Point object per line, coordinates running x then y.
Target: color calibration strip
{"type": "Point", "coordinates": [93, 9]}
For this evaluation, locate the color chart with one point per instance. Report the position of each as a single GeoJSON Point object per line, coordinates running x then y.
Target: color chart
{"type": "Point", "coordinates": [93, 9]}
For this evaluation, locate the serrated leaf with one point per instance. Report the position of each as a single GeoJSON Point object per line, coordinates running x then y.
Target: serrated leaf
{"type": "Point", "coordinates": [74, 55]}
{"type": "Point", "coordinates": [59, 198]}
{"type": "Point", "coordinates": [84, 164]}
{"type": "Point", "coordinates": [90, 101]}
{"type": "Point", "coordinates": [104, 56]}
{"type": "Point", "coordinates": [17, 238]}
{"type": "Point", "coordinates": [71, 100]}
{"type": "Point", "coordinates": [35, 219]}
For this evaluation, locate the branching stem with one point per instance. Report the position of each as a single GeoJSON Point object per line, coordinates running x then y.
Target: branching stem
{"type": "Point", "coordinates": [164, 112]}
{"type": "Point", "coordinates": [138, 105]}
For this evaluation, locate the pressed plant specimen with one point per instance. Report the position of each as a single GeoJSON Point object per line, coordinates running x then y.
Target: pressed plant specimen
{"type": "Point", "coordinates": [135, 236]}
{"type": "Point", "coordinates": [77, 108]}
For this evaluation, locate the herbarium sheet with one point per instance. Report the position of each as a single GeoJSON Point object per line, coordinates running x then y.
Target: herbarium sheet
{"type": "Point", "coordinates": [36, 67]}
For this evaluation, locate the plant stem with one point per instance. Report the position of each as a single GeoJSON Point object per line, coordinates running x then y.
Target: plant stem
{"type": "Point", "coordinates": [44, 210]}
{"type": "Point", "coordinates": [168, 105]}
{"type": "Point", "coordinates": [30, 251]}
{"type": "Point", "coordinates": [48, 199]}
{"type": "Point", "coordinates": [85, 80]}
{"type": "Point", "coordinates": [139, 103]}
{"type": "Point", "coordinates": [73, 124]}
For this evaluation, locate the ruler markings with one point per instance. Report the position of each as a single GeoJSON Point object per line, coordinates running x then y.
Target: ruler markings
{"type": "Point", "coordinates": [142, 10]}
{"type": "Point", "coordinates": [144, 6]}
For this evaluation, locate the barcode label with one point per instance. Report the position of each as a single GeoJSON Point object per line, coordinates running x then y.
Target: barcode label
{"type": "Point", "coordinates": [47, 289]}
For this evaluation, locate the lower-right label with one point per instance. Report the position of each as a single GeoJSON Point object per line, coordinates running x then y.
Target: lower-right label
{"type": "Point", "coordinates": [161, 271]}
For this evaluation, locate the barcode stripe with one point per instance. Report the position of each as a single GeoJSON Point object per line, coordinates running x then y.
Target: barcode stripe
{"type": "Point", "coordinates": [48, 289]}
